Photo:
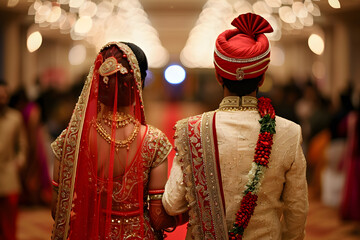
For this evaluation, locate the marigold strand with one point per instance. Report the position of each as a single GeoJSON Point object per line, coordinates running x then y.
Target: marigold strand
{"type": "Point", "coordinates": [261, 160]}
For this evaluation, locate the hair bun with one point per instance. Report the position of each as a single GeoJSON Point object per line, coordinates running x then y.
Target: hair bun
{"type": "Point", "coordinates": [251, 24]}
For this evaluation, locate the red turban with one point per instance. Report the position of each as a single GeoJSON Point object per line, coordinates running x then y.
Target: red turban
{"type": "Point", "coordinates": [243, 52]}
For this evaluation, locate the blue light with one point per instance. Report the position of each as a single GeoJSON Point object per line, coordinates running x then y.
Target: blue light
{"type": "Point", "coordinates": [149, 78]}
{"type": "Point", "coordinates": [175, 74]}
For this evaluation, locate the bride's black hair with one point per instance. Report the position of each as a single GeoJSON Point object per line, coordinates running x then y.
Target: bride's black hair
{"type": "Point", "coordinates": [141, 57]}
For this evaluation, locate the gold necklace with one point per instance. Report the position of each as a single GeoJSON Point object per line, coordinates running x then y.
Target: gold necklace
{"type": "Point", "coordinates": [121, 119]}
{"type": "Point", "coordinates": [118, 143]}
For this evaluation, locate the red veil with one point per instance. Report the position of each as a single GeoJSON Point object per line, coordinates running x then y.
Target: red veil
{"type": "Point", "coordinates": [101, 179]}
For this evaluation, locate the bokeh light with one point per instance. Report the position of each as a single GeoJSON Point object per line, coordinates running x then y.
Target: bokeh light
{"type": "Point", "coordinates": [316, 44]}
{"type": "Point", "coordinates": [99, 22]}
{"type": "Point", "coordinates": [77, 54]}
{"type": "Point", "coordinates": [334, 3]}
{"type": "Point", "coordinates": [34, 41]}
{"type": "Point", "coordinates": [277, 56]}
{"type": "Point", "coordinates": [83, 25]}
{"type": "Point", "coordinates": [175, 74]}
{"type": "Point", "coordinates": [318, 70]}
{"type": "Point", "coordinates": [216, 16]}
{"type": "Point", "coordinates": [54, 15]}
{"type": "Point", "coordinates": [12, 3]}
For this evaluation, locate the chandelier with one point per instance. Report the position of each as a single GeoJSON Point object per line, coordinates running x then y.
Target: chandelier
{"type": "Point", "coordinates": [283, 15]}
{"type": "Point", "coordinates": [98, 22]}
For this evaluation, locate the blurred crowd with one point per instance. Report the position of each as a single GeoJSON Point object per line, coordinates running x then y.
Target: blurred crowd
{"type": "Point", "coordinates": [330, 142]}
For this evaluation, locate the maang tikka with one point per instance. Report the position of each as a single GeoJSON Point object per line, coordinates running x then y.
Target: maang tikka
{"type": "Point", "coordinates": [109, 67]}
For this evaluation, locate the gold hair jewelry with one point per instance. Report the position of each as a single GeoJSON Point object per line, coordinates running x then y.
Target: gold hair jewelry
{"type": "Point", "coordinates": [109, 67]}
{"type": "Point", "coordinates": [118, 143]}
{"type": "Point", "coordinates": [121, 119]}
{"type": "Point", "coordinates": [106, 80]}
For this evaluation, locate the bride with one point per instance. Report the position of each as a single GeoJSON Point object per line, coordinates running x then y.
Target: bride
{"type": "Point", "coordinates": [111, 166]}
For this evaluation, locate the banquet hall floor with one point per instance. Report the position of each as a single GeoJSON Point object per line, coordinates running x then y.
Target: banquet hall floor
{"type": "Point", "coordinates": [323, 223]}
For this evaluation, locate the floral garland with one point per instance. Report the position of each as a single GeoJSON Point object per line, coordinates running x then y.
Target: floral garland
{"type": "Point", "coordinates": [259, 165]}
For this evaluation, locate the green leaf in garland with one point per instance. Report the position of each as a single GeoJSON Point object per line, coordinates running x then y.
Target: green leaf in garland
{"type": "Point", "coordinates": [251, 187]}
{"type": "Point", "coordinates": [237, 230]}
{"type": "Point", "coordinates": [267, 124]}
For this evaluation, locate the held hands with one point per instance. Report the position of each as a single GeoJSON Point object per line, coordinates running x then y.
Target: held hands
{"type": "Point", "coordinates": [161, 220]}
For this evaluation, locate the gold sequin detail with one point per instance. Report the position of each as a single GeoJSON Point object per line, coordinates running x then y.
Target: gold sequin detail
{"type": "Point", "coordinates": [235, 103]}
{"type": "Point", "coordinates": [118, 143]}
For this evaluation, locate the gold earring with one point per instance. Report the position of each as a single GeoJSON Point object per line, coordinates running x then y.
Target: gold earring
{"type": "Point", "coordinates": [106, 80]}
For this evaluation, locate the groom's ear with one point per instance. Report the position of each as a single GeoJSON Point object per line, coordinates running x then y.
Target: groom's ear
{"type": "Point", "coordinates": [261, 81]}
{"type": "Point", "coordinates": [218, 77]}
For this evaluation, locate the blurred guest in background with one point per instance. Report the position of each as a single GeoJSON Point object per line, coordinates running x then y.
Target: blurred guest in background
{"type": "Point", "coordinates": [326, 152]}
{"type": "Point", "coordinates": [35, 175]}
{"type": "Point", "coordinates": [350, 205]}
{"type": "Point", "coordinates": [108, 160]}
{"type": "Point", "coordinates": [315, 114]}
{"type": "Point", "coordinates": [234, 160]}
{"type": "Point", "coordinates": [13, 147]}
{"type": "Point", "coordinates": [284, 99]}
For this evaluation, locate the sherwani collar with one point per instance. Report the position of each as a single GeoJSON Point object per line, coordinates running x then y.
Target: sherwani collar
{"type": "Point", "coordinates": [236, 103]}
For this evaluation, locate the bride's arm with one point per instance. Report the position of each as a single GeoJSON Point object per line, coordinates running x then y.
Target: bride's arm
{"type": "Point", "coordinates": [55, 183]}
{"type": "Point", "coordinates": [158, 217]}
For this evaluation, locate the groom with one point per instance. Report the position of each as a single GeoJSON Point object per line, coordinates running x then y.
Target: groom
{"type": "Point", "coordinates": [240, 170]}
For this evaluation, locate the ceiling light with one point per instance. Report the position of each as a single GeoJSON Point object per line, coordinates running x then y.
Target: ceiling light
{"type": "Point", "coordinates": [260, 8]}
{"type": "Point", "coordinates": [75, 3]}
{"type": "Point", "coordinates": [34, 41]}
{"type": "Point", "coordinates": [88, 9]}
{"type": "Point", "coordinates": [77, 54]}
{"type": "Point", "coordinates": [83, 25]}
{"type": "Point", "coordinates": [104, 9]}
{"type": "Point", "coordinates": [334, 3]}
{"type": "Point", "coordinates": [54, 15]}
{"type": "Point", "coordinates": [277, 56]}
{"type": "Point", "coordinates": [287, 15]}
{"type": "Point", "coordinates": [299, 9]}
{"type": "Point", "coordinates": [273, 3]}
{"type": "Point", "coordinates": [316, 44]}
{"type": "Point", "coordinates": [12, 3]}
{"type": "Point", "coordinates": [175, 74]}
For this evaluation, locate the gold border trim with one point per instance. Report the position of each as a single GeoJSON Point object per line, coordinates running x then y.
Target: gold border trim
{"type": "Point", "coordinates": [212, 178]}
{"type": "Point", "coordinates": [69, 163]}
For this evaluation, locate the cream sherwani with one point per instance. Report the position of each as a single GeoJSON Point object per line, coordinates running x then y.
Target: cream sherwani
{"type": "Point", "coordinates": [13, 147]}
{"type": "Point", "coordinates": [283, 198]}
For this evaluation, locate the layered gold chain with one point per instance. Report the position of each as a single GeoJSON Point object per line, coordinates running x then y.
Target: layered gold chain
{"type": "Point", "coordinates": [118, 143]}
{"type": "Point", "coordinates": [121, 119]}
